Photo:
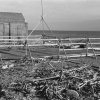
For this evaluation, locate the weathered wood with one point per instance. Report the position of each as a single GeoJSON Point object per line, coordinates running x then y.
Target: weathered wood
{"type": "Point", "coordinates": [50, 78]}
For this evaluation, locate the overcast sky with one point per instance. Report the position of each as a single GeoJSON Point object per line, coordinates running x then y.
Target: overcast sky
{"type": "Point", "coordinates": [58, 14]}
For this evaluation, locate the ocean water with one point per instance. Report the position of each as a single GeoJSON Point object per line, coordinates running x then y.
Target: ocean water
{"type": "Point", "coordinates": [66, 34]}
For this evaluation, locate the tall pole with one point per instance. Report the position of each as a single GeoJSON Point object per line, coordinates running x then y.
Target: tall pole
{"type": "Point", "coordinates": [42, 8]}
{"type": "Point", "coordinates": [42, 20]}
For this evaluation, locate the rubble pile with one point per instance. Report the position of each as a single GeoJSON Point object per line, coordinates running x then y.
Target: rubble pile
{"type": "Point", "coordinates": [37, 79]}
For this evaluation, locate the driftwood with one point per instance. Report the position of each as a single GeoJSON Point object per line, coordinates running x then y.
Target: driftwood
{"type": "Point", "coordinates": [44, 79]}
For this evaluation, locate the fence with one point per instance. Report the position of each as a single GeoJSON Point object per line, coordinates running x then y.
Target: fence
{"type": "Point", "coordinates": [48, 42]}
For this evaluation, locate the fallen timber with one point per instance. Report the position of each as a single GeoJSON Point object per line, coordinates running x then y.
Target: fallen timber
{"type": "Point", "coordinates": [69, 56]}
{"type": "Point", "coordinates": [44, 79]}
{"type": "Point", "coordinates": [58, 77]}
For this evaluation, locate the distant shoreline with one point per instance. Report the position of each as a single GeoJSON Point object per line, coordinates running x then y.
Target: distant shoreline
{"type": "Point", "coordinates": [71, 34]}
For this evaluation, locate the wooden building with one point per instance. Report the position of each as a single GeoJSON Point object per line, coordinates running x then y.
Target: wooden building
{"type": "Point", "coordinates": [12, 24]}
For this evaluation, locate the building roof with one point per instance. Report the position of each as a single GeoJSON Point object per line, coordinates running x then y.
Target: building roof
{"type": "Point", "coordinates": [11, 17]}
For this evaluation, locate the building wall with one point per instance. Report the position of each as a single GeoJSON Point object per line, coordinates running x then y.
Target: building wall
{"type": "Point", "coordinates": [19, 29]}
{"type": "Point", "coordinates": [1, 30]}
{"type": "Point", "coordinates": [16, 29]}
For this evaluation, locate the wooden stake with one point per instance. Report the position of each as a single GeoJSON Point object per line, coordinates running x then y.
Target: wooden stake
{"type": "Point", "coordinates": [87, 47]}
{"type": "Point", "coordinates": [92, 49]}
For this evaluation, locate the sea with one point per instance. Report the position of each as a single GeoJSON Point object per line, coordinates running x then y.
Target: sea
{"type": "Point", "coordinates": [67, 34]}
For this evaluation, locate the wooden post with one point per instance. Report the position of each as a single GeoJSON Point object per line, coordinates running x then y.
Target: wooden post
{"type": "Point", "coordinates": [3, 30]}
{"type": "Point", "coordinates": [42, 21]}
{"type": "Point", "coordinates": [87, 47]}
{"type": "Point", "coordinates": [26, 47]}
{"type": "Point", "coordinates": [9, 30]}
{"type": "Point", "coordinates": [64, 49]}
{"type": "Point", "coordinates": [17, 32]}
{"type": "Point", "coordinates": [92, 49]}
{"type": "Point", "coordinates": [1, 58]}
{"type": "Point", "coordinates": [59, 41]}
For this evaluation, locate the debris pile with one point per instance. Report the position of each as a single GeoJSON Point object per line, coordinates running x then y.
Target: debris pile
{"type": "Point", "coordinates": [31, 79]}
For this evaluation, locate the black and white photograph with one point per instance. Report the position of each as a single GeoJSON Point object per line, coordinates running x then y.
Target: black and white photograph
{"type": "Point", "coordinates": [49, 49]}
